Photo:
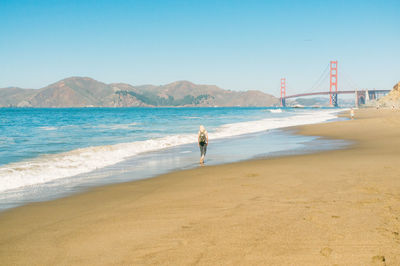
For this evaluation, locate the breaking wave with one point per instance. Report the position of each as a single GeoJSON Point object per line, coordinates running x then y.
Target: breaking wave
{"type": "Point", "coordinates": [55, 166]}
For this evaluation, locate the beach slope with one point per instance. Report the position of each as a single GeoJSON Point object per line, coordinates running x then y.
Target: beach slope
{"type": "Point", "coordinates": [335, 207]}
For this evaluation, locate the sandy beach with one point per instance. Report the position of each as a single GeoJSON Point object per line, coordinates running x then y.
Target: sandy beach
{"type": "Point", "coordinates": [336, 207]}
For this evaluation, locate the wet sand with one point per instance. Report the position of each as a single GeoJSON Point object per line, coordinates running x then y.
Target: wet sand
{"type": "Point", "coordinates": [336, 207]}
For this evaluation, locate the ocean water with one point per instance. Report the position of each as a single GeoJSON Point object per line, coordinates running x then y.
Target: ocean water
{"type": "Point", "coordinates": [48, 153]}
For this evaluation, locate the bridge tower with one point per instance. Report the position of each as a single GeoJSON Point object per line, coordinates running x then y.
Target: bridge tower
{"type": "Point", "coordinates": [333, 79]}
{"type": "Point", "coordinates": [283, 92]}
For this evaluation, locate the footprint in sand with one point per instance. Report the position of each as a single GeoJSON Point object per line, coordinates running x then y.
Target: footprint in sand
{"type": "Point", "coordinates": [378, 260]}
{"type": "Point", "coordinates": [326, 252]}
{"type": "Point", "coordinates": [252, 175]}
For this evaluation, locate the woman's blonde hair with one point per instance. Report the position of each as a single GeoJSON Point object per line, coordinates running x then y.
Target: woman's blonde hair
{"type": "Point", "coordinates": [202, 129]}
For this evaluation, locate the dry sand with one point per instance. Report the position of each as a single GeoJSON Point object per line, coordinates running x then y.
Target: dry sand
{"type": "Point", "coordinates": [338, 207]}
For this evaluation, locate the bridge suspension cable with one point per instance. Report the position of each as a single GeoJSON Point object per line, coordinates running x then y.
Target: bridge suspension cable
{"type": "Point", "coordinates": [347, 86]}
{"type": "Point", "coordinates": [321, 79]}
{"type": "Point", "coordinates": [346, 77]}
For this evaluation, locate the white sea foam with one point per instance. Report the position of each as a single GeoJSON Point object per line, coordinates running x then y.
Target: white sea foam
{"type": "Point", "coordinates": [48, 128]}
{"type": "Point", "coordinates": [275, 110]}
{"type": "Point", "coordinates": [51, 167]}
{"type": "Point", "coordinates": [118, 126]}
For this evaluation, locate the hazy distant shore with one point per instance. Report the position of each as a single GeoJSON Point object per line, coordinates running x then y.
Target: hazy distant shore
{"type": "Point", "coordinates": [334, 207]}
{"type": "Point", "coordinates": [87, 92]}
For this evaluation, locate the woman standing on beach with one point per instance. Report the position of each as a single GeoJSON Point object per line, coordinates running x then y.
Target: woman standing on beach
{"type": "Point", "coordinates": [202, 140]}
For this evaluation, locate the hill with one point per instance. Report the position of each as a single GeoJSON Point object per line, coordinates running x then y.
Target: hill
{"type": "Point", "coordinates": [391, 100]}
{"type": "Point", "coordinates": [87, 92]}
{"type": "Point", "coordinates": [14, 96]}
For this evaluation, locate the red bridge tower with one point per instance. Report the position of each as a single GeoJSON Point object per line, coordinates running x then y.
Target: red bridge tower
{"type": "Point", "coordinates": [283, 92]}
{"type": "Point", "coordinates": [333, 79]}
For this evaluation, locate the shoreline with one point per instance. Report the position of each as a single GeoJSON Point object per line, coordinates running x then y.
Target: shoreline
{"type": "Point", "coordinates": [300, 145]}
{"type": "Point", "coordinates": [261, 144]}
{"type": "Point", "coordinates": [338, 206]}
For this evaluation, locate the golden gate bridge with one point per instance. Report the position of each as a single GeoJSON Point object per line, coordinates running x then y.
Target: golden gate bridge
{"type": "Point", "coordinates": [362, 96]}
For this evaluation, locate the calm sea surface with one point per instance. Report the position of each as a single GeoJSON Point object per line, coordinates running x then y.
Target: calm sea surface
{"type": "Point", "coordinates": [46, 153]}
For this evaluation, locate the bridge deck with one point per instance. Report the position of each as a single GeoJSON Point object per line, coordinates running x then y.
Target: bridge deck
{"type": "Point", "coordinates": [328, 92]}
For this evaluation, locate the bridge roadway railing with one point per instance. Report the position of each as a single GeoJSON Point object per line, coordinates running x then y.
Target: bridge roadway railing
{"type": "Point", "coordinates": [361, 96]}
{"type": "Point", "coordinates": [338, 92]}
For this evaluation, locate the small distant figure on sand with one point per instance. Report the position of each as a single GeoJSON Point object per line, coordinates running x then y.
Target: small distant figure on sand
{"type": "Point", "coordinates": [203, 142]}
{"type": "Point", "coordinates": [352, 113]}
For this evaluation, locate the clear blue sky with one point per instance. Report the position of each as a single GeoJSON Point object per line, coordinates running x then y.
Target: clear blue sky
{"type": "Point", "coordinates": [236, 45]}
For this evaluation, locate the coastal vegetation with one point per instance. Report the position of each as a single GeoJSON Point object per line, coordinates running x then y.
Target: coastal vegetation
{"type": "Point", "coordinates": [155, 100]}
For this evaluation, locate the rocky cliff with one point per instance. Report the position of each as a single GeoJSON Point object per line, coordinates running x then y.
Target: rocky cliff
{"type": "Point", "coordinates": [392, 99]}
{"type": "Point", "coordinates": [87, 92]}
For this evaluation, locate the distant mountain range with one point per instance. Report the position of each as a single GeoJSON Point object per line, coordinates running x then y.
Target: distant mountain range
{"type": "Point", "coordinates": [87, 92]}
